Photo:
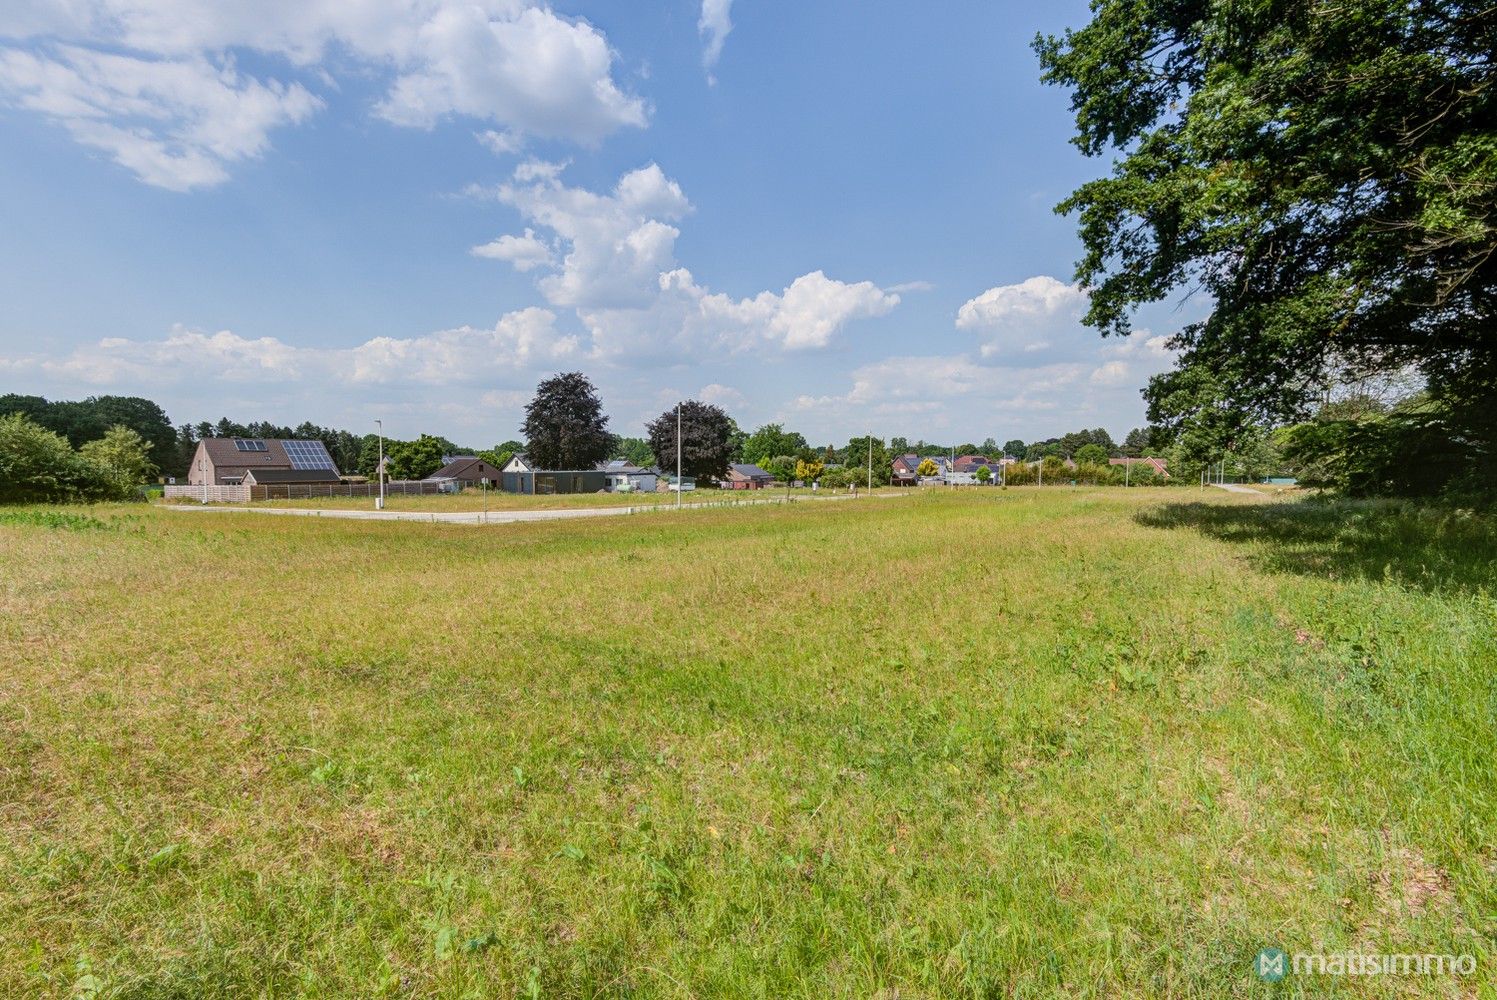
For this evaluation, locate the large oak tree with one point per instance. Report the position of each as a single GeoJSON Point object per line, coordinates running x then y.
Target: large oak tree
{"type": "Point", "coordinates": [1323, 172]}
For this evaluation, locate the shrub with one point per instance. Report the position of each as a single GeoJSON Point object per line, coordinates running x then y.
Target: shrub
{"type": "Point", "coordinates": [39, 466]}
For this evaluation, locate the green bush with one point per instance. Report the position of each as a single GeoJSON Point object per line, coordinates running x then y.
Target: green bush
{"type": "Point", "coordinates": [39, 466]}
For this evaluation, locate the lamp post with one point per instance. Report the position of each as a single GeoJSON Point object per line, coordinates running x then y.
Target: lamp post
{"type": "Point", "coordinates": [678, 455]}
{"type": "Point", "coordinates": [380, 469]}
{"type": "Point", "coordinates": [870, 463]}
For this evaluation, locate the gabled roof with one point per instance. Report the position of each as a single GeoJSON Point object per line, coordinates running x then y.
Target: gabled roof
{"type": "Point", "coordinates": [265, 453]}
{"type": "Point", "coordinates": [465, 467]}
{"type": "Point", "coordinates": [747, 470]}
{"type": "Point", "coordinates": [520, 461]}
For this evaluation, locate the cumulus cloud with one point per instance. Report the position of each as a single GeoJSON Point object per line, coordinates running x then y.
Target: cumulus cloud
{"type": "Point", "coordinates": [973, 396]}
{"type": "Point", "coordinates": [155, 83]}
{"type": "Point", "coordinates": [616, 266]}
{"type": "Point", "coordinates": [530, 69]}
{"type": "Point", "coordinates": [523, 341]}
{"type": "Point", "coordinates": [713, 26]}
{"type": "Point", "coordinates": [524, 253]}
{"type": "Point", "coordinates": [1034, 317]}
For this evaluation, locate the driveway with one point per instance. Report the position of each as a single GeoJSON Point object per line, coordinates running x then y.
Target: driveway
{"type": "Point", "coordinates": [504, 516]}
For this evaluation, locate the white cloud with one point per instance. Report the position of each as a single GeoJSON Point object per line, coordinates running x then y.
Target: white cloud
{"type": "Point", "coordinates": [1040, 296]}
{"type": "Point", "coordinates": [526, 341]}
{"type": "Point", "coordinates": [721, 395]}
{"type": "Point", "coordinates": [154, 82]}
{"type": "Point", "coordinates": [532, 70]}
{"type": "Point", "coordinates": [1110, 373]}
{"type": "Point", "coordinates": [501, 143]}
{"type": "Point", "coordinates": [714, 25]}
{"type": "Point", "coordinates": [912, 286]}
{"type": "Point", "coordinates": [175, 124]}
{"type": "Point", "coordinates": [967, 397]}
{"type": "Point", "coordinates": [524, 253]}
{"type": "Point", "coordinates": [618, 270]}
{"type": "Point", "coordinates": [1032, 317]}
{"type": "Point", "coordinates": [1036, 323]}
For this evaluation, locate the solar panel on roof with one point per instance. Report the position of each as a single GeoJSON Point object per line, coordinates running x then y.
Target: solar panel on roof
{"type": "Point", "coordinates": [308, 455]}
{"type": "Point", "coordinates": [249, 444]}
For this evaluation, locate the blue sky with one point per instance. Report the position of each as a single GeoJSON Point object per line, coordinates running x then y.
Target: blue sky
{"type": "Point", "coordinates": [416, 209]}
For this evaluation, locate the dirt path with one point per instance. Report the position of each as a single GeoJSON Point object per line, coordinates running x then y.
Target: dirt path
{"type": "Point", "coordinates": [508, 516]}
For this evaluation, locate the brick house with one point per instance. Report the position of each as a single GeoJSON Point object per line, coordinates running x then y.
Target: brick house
{"type": "Point", "coordinates": [227, 461]}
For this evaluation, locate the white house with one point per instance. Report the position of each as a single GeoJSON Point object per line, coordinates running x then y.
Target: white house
{"type": "Point", "coordinates": [624, 477]}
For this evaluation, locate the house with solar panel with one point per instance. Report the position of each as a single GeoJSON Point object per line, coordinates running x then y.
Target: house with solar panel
{"type": "Point", "coordinates": [260, 462]}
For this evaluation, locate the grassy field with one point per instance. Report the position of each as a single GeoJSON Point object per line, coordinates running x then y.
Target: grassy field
{"type": "Point", "coordinates": [1087, 743]}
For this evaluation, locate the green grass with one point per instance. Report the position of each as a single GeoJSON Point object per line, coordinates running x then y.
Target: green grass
{"type": "Point", "coordinates": [994, 743]}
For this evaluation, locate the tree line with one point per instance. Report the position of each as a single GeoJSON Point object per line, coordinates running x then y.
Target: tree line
{"type": "Point", "coordinates": [565, 427]}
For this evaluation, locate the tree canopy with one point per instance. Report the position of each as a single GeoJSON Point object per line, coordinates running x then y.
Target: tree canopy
{"type": "Point", "coordinates": [707, 440]}
{"type": "Point", "coordinates": [773, 440]}
{"type": "Point", "coordinates": [85, 420]}
{"type": "Point", "coordinates": [565, 427]}
{"type": "Point", "coordinates": [634, 450]}
{"type": "Point", "coordinates": [38, 465]}
{"type": "Point", "coordinates": [1324, 173]}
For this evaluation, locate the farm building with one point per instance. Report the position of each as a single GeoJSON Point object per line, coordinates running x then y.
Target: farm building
{"type": "Point", "coordinates": [226, 461]}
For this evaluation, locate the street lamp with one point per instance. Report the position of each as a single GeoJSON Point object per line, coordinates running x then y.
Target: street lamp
{"type": "Point", "coordinates": [678, 455]}
{"type": "Point", "coordinates": [380, 469]}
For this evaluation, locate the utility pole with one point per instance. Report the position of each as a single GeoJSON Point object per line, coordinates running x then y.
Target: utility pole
{"type": "Point", "coordinates": [678, 455]}
{"type": "Point", "coordinates": [870, 463]}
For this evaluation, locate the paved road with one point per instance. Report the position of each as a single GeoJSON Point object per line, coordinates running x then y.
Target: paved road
{"type": "Point", "coordinates": [507, 516]}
